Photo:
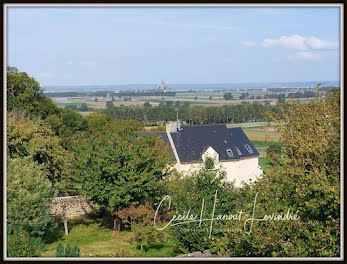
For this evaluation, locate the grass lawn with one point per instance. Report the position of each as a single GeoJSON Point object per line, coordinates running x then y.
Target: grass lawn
{"type": "Point", "coordinates": [96, 240]}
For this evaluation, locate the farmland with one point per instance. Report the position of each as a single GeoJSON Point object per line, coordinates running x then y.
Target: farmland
{"type": "Point", "coordinates": [206, 98]}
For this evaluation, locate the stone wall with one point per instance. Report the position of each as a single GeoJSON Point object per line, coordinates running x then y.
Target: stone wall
{"type": "Point", "coordinates": [71, 206]}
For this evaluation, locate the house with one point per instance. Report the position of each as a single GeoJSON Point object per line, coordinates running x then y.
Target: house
{"type": "Point", "coordinates": [229, 147]}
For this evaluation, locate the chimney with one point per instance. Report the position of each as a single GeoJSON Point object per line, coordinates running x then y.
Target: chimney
{"type": "Point", "coordinates": [178, 124]}
{"type": "Point", "coordinates": [171, 127]}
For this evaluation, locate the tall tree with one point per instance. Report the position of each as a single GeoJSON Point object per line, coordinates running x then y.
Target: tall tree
{"type": "Point", "coordinates": [34, 139]}
{"type": "Point", "coordinates": [305, 178]}
{"type": "Point", "coordinates": [117, 169]}
{"type": "Point", "coordinates": [29, 193]}
{"type": "Point", "coordinates": [25, 93]}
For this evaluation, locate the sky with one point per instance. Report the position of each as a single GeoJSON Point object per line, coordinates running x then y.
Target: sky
{"type": "Point", "coordinates": [118, 45]}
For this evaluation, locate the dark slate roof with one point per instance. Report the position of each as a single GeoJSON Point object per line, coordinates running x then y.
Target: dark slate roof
{"type": "Point", "coordinates": [192, 141]}
{"type": "Point", "coordinates": [164, 137]}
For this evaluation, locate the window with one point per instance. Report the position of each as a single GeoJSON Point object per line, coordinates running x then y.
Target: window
{"type": "Point", "coordinates": [238, 151]}
{"type": "Point", "coordinates": [230, 153]}
{"type": "Point", "coordinates": [249, 149]}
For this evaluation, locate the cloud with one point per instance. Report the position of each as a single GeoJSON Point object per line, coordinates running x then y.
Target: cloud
{"type": "Point", "coordinates": [228, 60]}
{"type": "Point", "coordinates": [316, 43]}
{"type": "Point", "coordinates": [249, 43]}
{"type": "Point", "coordinates": [300, 43]}
{"type": "Point", "coordinates": [292, 42]}
{"type": "Point", "coordinates": [306, 55]}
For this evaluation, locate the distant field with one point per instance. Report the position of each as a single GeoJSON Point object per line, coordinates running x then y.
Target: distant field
{"type": "Point", "coordinates": [138, 101]}
{"type": "Point", "coordinates": [258, 131]}
{"type": "Point", "coordinates": [85, 113]}
{"type": "Point", "coordinates": [68, 103]}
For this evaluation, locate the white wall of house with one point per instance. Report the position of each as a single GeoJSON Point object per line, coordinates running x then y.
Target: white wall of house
{"type": "Point", "coordinates": [242, 170]}
{"type": "Point", "coordinates": [238, 170]}
{"type": "Point", "coordinates": [210, 153]}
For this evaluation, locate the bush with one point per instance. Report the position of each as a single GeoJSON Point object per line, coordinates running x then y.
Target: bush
{"type": "Point", "coordinates": [209, 163]}
{"type": "Point", "coordinates": [203, 184]}
{"type": "Point", "coordinates": [19, 244]}
{"type": "Point", "coordinates": [68, 252]}
{"type": "Point", "coordinates": [146, 235]}
{"type": "Point", "coordinates": [60, 250]}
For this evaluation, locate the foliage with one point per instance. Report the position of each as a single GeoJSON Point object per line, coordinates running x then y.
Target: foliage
{"type": "Point", "coordinates": [142, 214]}
{"type": "Point", "coordinates": [187, 194]}
{"type": "Point", "coordinates": [209, 163]}
{"type": "Point", "coordinates": [109, 105]}
{"type": "Point", "coordinates": [95, 240]}
{"type": "Point", "coordinates": [228, 96]}
{"type": "Point", "coordinates": [158, 128]}
{"type": "Point", "coordinates": [60, 252]}
{"type": "Point", "coordinates": [281, 98]}
{"type": "Point", "coordinates": [305, 178]}
{"type": "Point", "coordinates": [116, 169]}
{"type": "Point", "coordinates": [19, 244]}
{"type": "Point", "coordinates": [147, 105]}
{"type": "Point", "coordinates": [29, 194]}
{"type": "Point", "coordinates": [146, 235]}
{"type": "Point", "coordinates": [84, 107]}
{"type": "Point", "coordinates": [191, 115]}
{"type": "Point", "coordinates": [25, 93]}
{"type": "Point", "coordinates": [68, 251]}
{"type": "Point", "coordinates": [32, 138]}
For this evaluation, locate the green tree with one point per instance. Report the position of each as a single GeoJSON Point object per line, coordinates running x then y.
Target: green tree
{"type": "Point", "coordinates": [68, 252]}
{"type": "Point", "coordinates": [32, 138]}
{"type": "Point", "coordinates": [109, 105]}
{"type": "Point", "coordinates": [228, 96]}
{"type": "Point", "coordinates": [305, 178]}
{"type": "Point", "coordinates": [19, 245]}
{"type": "Point", "coordinates": [147, 105]}
{"type": "Point", "coordinates": [29, 193]}
{"type": "Point", "coordinates": [204, 184]}
{"type": "Point", "coordinates": [59, 252]}
{"type": "Point", "coordinates": [117, 169]}
{"type": "Point", "coordinates": [281, 98]}
{"type": "Point", "coordinates": [25, 93]}
{"type": "Point", "coordinates": [96, 100]}
{"type": "Point", "coordinates": [84, 107]}
{"type": "Point", "coordinates": [146, 235]}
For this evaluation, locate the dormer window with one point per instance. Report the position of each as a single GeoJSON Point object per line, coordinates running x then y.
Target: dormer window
{"type": "Point", "coordinates": [249, 149]}
{"type": "Point", "coordinates": [230, 153]}
{"type": "Point", "coordinates": [238, 151]}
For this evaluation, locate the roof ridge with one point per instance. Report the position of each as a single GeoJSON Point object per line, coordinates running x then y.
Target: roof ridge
{"type": "Point", "coordinates": [219, 124]}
